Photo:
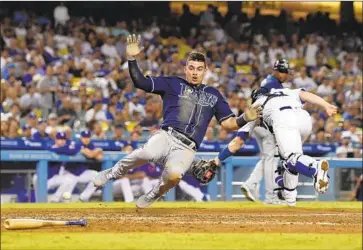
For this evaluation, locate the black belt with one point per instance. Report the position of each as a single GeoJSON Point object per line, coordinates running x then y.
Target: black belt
{"type": "Point", "coordinates": [181, 137]}
{"type": "Point", "coordinates": [285, 107]}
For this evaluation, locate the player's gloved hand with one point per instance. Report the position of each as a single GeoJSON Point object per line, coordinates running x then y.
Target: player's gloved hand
{"type": "Point", "coordinates": [331, 110]}
{"type": "Point", "coordinates": [204, 171]}
{"type": "Point", "coordinates": [253, 113]}
{"type": "Point", "coordinates": [133, 47]}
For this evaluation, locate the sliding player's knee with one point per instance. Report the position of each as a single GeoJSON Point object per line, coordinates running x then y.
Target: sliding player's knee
{"type": "Point", "coordinates": [235, 144]}
{"type": "Point", "coordinates": [172, 176]}
{"type": "Point", "coordinates": [144, 153]}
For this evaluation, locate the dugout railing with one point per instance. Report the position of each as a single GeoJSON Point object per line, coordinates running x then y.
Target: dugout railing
{"type": "Point", "coordinates": [221, 188]}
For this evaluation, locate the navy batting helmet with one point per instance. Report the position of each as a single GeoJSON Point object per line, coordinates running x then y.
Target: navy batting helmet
{"type": "Point", "coordinates": [282, 66]}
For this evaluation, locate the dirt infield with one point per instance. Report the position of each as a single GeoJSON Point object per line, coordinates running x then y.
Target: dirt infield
{"type": "Point", "coordinates": [193, 220]}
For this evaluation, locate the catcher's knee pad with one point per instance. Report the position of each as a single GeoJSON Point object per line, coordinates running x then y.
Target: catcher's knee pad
{"type": "Point", "coordinates": [290, 181]}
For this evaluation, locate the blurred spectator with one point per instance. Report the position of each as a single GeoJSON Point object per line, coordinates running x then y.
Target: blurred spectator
{"type": "Point", "coordinates": [66, 113]}
{"type": "Point", "coordinates": [52, 125]}
{"type": "Point", "coordinates": [14, 112]}
{"type": "Point", "coordinates": [31, 99]}
{"type": "Point", "coordinates": [149, 121]}
{"type": "Point", "coordinates": [27, 132]}
{"type": "Point", "coordinates": [61, 14]}
{"type": "Point", "coordinates": [118, 133]}
{"type": "Point", "coordinates": [40, 133]}
{"type": "Point", "coordinates": [13, 130]}
{"type": "Point", "coordinates": [305, 82]}
{"type": "Point", "coordinates": [109, 49]}
{"type": "Point", "coordinates": [4, 127]}
{"type": "Point", "coordinates": [96, 112]}
{"type": "Point", "coordinates": [134, 105]}
{"type": "Point", "coordinates": [345, 150]}
{"type": "Point", "coordinates": [48, 87]}
{"type": "Point", "coordinates": [97, 132]}
{"type": "Point", "coordinates": [326, 88]}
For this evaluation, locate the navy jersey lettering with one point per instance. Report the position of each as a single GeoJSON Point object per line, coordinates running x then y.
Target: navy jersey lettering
{"type": "Point", "coordinates": [188, 108]}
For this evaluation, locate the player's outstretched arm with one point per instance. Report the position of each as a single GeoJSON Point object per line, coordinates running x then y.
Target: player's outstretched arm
{"type": "Point", "coordinates": [133, 49]}
{"type": "Point", "coordinates": [317, 100]}
{"type": "Point", "coordinates": [235, 123]}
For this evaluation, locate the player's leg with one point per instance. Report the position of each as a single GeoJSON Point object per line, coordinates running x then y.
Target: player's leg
{"type": "Point", "coordinates": [177, 163]}
{"type": "Point", "coordinates": [321, 178]}
{"type": "Point", "coordinates": [155, 149]}
{"type": "Point", "coordinates": [270, 163]}
{"type": "Point", "coordinates": [250, 188]}
{"type": "Point", "coordinates": [63, 183]}
{"type": "Point", "coordinates": [194, 192]}
{"type": "Point", "coordinates": [86, 177]}
{"type": "Point", "coordinates": [289, 142]}
{"type": "Point", "coordinates": [123, 185]}
{"type": "Point", "coordinates": [288, 138]}
{"type": "Point", "coordinates": [66, 184]}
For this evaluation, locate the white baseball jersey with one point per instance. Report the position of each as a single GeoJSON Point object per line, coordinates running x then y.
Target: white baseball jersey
{"type": "Point", "coordinates": [289, 98]}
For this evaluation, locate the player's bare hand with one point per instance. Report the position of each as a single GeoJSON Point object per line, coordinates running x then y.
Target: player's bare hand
{"type": "Point", "coordinates": [133, 45]}
{"type": "Point", "coordinates": [331, 110]}
{"type": "Point", "coordinates": [253, 113]}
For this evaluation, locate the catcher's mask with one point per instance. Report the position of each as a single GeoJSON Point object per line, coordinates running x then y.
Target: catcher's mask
{"type": "Point", "coordinates": [258, 92]}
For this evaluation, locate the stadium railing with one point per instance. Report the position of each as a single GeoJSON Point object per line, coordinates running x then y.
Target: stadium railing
{"type": "Point", "coordinates": [42, 158]}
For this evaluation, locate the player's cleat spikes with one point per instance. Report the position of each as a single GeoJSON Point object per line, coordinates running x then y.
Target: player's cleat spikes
{"type": "Point", "coordinates": [103, 177]}
{"type": "Point", "coordinates": [247, 192]}
{"type": "Point", "coordinates": [321, 179]}
{"type": "Point", "coordinates": [146, 200]}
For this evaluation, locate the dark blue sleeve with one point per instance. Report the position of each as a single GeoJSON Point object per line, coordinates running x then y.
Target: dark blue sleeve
{"type": "Point", "coordinates": [160, 85]}
{"type": "Point", "coordinates": [69, 149]}
{"type": "Point", "coordinates": [91, 146]}
{"type": "Point", "coordinates": [273, 85]}
{"type": "Point", "coordinates": [222, 109]}
{"type": "Point", "coordinates": [36, 136]}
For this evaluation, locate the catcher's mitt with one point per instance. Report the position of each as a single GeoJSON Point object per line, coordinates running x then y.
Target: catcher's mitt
{"type": "Point", "coordinates": [204, 171]}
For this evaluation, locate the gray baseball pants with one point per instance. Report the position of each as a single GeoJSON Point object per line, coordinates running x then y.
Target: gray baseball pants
{"type": "Point", "coordinates": [164, 149]}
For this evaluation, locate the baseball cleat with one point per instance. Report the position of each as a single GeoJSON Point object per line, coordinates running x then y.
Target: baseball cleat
{"type": "Point", "coordinates": [287, 198]}
{"type": "Point", "coordinates": [274, 201]}
{"type": "Point", "coordinates": [321, 179]}
{"type": "Point", "coordinates": [146, 200]}
{"type": "Point", "coordinates": [103, 177]}
{"type": "Point", "coordinates": [247, 192]}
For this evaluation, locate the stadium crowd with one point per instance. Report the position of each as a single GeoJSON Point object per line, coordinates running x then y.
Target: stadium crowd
{"type": "Point", "coordinates": [71, 73]}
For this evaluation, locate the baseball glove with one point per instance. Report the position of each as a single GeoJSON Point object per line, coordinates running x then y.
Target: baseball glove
{"type": "Point", "coordinates": [204, 171]}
